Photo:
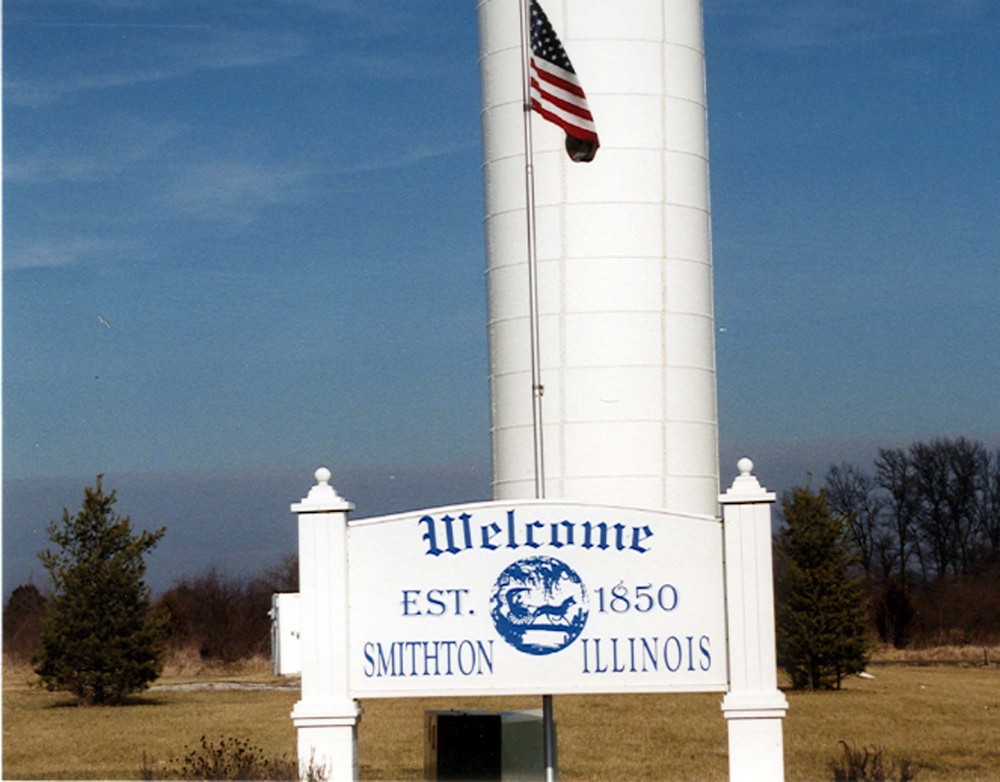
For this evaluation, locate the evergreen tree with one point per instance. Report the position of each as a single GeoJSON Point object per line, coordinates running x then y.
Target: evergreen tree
{"type": "Point", "coordinates": [101, 639]}
{"type": "Point", "coordinates": [821, 611]}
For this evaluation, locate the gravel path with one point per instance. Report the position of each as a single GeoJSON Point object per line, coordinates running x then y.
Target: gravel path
{"type": "Point", "coordinates": [291, 684]}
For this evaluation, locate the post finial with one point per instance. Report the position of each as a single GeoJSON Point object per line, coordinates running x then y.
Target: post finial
{"type": "Point", "coordinates": [322, 496]}
{"type": "Point", "coordinates": [746, 487]}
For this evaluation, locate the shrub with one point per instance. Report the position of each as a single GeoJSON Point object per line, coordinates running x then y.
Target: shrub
{"type": "Point", "coordinates": [869, 764]}
{"type": "Point", "coordinates": [230, 758]}
{"type": "Point", "coordinates": [226, 619]}
{"type": "Point", "coordinates": [22, 622]}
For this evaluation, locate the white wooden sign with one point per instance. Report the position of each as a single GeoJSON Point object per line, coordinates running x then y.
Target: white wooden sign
{"type": "Point", "coordinates": [535, 597]}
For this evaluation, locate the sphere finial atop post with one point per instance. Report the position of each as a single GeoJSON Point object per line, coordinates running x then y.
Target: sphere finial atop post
{"type": "Point", "coordinates": [746, 487]}
{"type": "Point", "coordinates": [322, 496]}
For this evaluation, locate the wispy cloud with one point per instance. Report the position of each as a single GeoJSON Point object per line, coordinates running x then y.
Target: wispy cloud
{"type": "Point", "coordinates": [101, 153]}
{"type": "Point", "coordinates": [50, 253]}
{"type": "Point", "coordinates": [160, 60]}
{"type": "Point", "coordinates": [233, 190]}
{"type": "Point", "coordinates": [405, 158]}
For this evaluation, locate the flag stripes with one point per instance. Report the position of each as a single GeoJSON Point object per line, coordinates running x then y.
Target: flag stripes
{"type": "Point", "coordinates": [560, 100]}
{"type": "Point", "coordinates": [556, 93]}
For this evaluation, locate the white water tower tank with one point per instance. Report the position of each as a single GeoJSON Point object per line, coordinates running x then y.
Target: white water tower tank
{"type": "Point", "coordinates": [626, 331]}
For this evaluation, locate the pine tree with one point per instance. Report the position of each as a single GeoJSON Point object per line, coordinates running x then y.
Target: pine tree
{"type": "Point", "coordinates": [821, 612]}
{"type": "Point", "coordinates": [101, 639]}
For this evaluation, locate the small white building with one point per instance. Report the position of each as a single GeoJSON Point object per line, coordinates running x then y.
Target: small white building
{"type": "Point", "coordinates": [286, 654]}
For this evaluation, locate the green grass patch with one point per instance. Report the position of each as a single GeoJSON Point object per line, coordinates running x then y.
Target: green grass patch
{"type": "Point", "coordinates": [945, 719]}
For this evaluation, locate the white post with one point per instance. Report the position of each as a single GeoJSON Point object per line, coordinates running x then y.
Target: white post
{"type": "Point", "coordinates": [754, 706]}
{"type": "Point", "coordinates": [326, 717]}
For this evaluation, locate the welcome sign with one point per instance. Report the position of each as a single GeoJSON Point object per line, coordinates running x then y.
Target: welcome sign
{"type": "Point", "coordinates": [535, 597]}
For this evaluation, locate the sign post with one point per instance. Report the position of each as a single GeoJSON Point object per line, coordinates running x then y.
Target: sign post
{"type": "Point", "coordinates": [326, 717]}
{"type": "Point", "coordinates": [754, 706]}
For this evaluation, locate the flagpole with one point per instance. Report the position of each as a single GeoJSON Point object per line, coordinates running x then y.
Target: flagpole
{"type": "Point", "coordinates": [529, 185]}
{"type": "Point", "coordinates": [548, 723]}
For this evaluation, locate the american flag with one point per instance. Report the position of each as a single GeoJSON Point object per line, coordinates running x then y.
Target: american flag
{"type": "Point", "coordinates": [556, 93]}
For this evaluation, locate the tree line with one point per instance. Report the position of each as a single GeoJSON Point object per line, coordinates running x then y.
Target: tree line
{"type": "Point", "coordinates": [219, 618]}
{"type": "Point", "coordinates": [909, 551]}
{"type": "Point", "coordinates": [924, 525]}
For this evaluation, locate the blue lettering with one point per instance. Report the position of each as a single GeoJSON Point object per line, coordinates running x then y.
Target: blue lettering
{"type": "Point", "coordinates": [666, 654]}
{"type": "Point", "coordinates": [649, 653]}
{"type": "Point", "coordinates": [485, 655]}
{"type": "Point", "coordinates": [556, 543]}
{"type": "Point", "coordinates": [437, 606]}
{"type": "Point", "coordinates": [386, 664]}
{"type": "Point", "coordinates": [430, 657]}
{"type": "Point", "coordinates": [588, 534]}
{"type": "Point", "coordinates": [449, 648]}
{"type": "Point", "coordinates": [427, 658]}
{"type": "Point", "coordinates": [706, 655]}
{"type": "Point", "coordinates": [614, 657]}
{"type": "Point", "coordinates": [449, 533]}
{"type": "Point", "coordinates": [490, 531]}
{"type": "Point", "coordinates": [639, 534]}
{"type": "Point", "coordinates": [429, 536]}
{"type": "Point", "coordinates": [511, 534]}
{"type": "Point", "coordinates": [466, 529]}
{"type": "Point", "coordinates": [644, 654]}
{"type": "Point", "coordinates": [528, 531]}
{"type": "Point", "coordinates": [408, 602]}
{"type": "Point", "coordinates": [494, 535]}
{"type": "Point", "coordinates": [466, 663]}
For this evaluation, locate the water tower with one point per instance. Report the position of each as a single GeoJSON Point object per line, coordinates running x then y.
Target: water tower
{"type": "Point", "coordinates": [625, 330]}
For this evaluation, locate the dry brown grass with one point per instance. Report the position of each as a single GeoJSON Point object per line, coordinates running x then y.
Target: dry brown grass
{"type": "Point", "coordinates": [937, 654]}
{"type": "Point", "coordinates": [48, 736]}
{"type": "Point", "coordinates": [944, 717]}
{"type": "Point", "coordinates": [187, 662]}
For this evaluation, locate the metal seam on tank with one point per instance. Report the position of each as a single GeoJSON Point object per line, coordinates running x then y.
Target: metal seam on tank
{"type": "Point", "coordinates": [610, 423]}
{"type": "Point", "coordinates": [665, 286]}
{"type": "Point", "coordinates": [687, 313]}
{"type": "Point", "coordinates": [673, 258]}
{"type": "Point", "coordinates": [688, 367]}
{"type": "Point", "coordinates": [512, 103]}
{"type": "Point", "coordinates": [634, 202]}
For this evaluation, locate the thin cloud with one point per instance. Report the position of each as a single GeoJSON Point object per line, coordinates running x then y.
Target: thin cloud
{"type": "Point", "coordinates": [54, 253]}
{"type": "Point", "coordinates": [234, 190]}
{"type": "Point", "coordinates": [165, 61]}
{"type": "Point", "coordinates": [111, 149]}
{"type": "Point", "coordinates": [406, 158]}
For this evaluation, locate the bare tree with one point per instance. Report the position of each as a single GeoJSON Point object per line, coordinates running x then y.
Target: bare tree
{"type": "Point", "coordinates": [894, 474]}
{"type": "Point", "coordinates": [853, 496]}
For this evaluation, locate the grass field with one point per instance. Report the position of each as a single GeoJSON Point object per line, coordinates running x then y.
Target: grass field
{"type": "Point", "coordinates": [946, 718]}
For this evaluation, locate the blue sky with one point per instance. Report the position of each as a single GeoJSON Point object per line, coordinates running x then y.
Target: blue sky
{"type": "Point", "coordinates": [244, 238]}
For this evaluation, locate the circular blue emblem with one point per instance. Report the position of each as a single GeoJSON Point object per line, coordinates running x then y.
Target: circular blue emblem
{"type": "Point", "coordinates": [539, 605]}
